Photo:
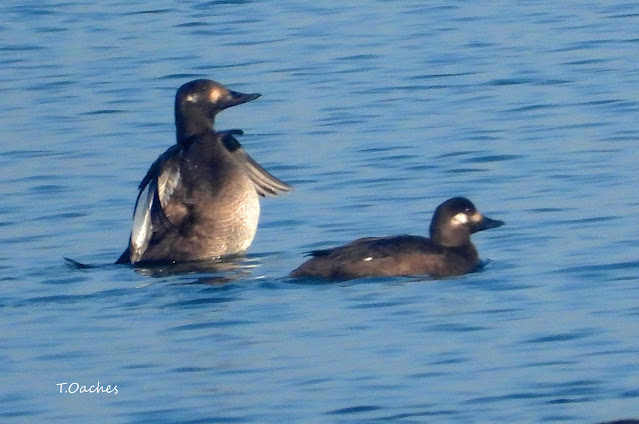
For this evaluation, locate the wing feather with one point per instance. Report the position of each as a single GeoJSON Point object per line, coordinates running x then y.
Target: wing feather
{"type": "Point", "coordinates": [379, 247]}
{"type": "Point", "coordinates": [265, 183]}
{"type": "Point", "coordinates": [156, 189]}
{"type": "Point", "coordinates": [142, 227]}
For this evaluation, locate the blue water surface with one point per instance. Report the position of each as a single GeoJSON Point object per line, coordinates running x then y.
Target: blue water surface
{"type": "Point", "coordinates": [376, 112]}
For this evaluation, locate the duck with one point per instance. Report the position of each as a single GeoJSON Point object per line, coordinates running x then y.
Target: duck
{"type": "Point", "coordinates": [448, 252]}
{"type": "Point", "coordinates": [200, 199]}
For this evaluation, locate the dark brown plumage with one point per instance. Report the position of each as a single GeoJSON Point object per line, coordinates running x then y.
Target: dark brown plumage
{"type": "Point", "coordinates": [448, 252]}
{"type": "Point", "coordinates": [200, 199]}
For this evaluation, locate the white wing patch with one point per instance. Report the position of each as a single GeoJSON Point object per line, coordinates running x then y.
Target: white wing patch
{"type": "Point", "coordinates": [145, 209]}
{"type": "Point", "coordinates": [142, 228]}
{"type": "Point", "coordinates": [167, 182]}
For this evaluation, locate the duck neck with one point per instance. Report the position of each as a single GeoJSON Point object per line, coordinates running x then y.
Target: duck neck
{"type": "Point", "coordinates": [194, 125]}
{"type": "Point", "coordinates": [450, 236]}
{"type": "Point", "coordinates": [468, 251]}
{"type": "Point", "coordinates": [205, 147]}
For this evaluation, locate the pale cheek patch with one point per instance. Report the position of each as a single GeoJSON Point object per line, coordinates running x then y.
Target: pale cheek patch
{"type": "Point", "coordinates": [215, 95]}
{"type": "Point", "coordinates": [460, 218]}
{"type": "Point", "coordinates": [192, 98]}
{"type": "Point", "coordinates": [476, 217]}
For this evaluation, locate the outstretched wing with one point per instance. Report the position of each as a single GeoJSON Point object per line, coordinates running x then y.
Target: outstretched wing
{"type": "Point", "coordinates": [156, 189]}
{"type": "Point", "coordinates": [265, 183]}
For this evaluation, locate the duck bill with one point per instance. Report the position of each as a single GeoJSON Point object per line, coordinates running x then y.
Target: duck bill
{"type": "Point", "coordinates": [236, 98]}
{"type": "Point", "coordinates": [487, 223]}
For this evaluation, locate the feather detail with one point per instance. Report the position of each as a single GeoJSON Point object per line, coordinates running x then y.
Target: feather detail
{"type": "Point", "coordinates": [265, 183]}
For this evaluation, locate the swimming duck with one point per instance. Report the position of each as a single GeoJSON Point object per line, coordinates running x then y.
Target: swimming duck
{"type": "Point", "coordinates": [200, 199]}
{"type": "Point", "coordinates": [447, 252]}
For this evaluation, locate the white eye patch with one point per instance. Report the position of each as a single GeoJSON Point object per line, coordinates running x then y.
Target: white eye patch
{"type": "Point", "coordinates": [192, 98]}
{"type": "Point", "coordinates": [215, 95]}
{"type": "Point", "coordinates": [460, 218]}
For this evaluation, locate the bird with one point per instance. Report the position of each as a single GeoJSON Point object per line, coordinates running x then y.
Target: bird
{"type": "Point", "coordinates": [448, 252]}
{"type": "Point", "coordinates": [199, 200]}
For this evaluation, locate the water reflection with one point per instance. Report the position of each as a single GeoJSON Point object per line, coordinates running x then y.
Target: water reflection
{"type": "Point", "coordinates": [216, 272]}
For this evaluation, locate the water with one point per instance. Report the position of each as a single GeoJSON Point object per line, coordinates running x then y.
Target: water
{"type": "Point", "coordinates": [376, 112]}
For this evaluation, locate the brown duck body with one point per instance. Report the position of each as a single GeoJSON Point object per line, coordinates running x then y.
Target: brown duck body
{"type": "Point", "coordinates": [200, 199]}
{"type": "Point", "coordinates": [403, 255]}
{"type": "Point", "coordinates": [448, 252]}
{"type": "Point", "coordinates": [212, 210]}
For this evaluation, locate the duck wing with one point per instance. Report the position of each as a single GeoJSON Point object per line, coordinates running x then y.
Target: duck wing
{"type": "Point", "coordinates": [370, 248]}
{"type": "Point", "coordinates": [149, 218]}
{"type": "Point", "coordinates": [265, 183]}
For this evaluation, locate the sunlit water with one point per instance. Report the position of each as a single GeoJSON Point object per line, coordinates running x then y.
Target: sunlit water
{"type": "Point", "coordinates": [376, 112]}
